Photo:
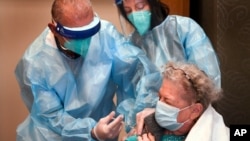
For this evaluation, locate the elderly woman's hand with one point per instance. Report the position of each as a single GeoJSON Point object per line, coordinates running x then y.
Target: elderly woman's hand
{"type": "Point", "coordinates": [140, 119]}
{"type": "Point", "coordinates": [146, 137]}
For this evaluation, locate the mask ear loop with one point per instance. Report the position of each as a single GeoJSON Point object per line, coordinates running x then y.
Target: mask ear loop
{"type": "Point", "coordinates": [186, 107]}
{"type": "Point", "coordinates": [66, 52]}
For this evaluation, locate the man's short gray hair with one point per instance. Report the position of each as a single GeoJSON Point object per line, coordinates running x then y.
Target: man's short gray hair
{"type": "Point", "coordinates": [58, 8]}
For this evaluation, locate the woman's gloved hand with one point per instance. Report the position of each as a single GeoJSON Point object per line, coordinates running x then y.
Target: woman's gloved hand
{"type": "Point", "coordinates": [108, 127]}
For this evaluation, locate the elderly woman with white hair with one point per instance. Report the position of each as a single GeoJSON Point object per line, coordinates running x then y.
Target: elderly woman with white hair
{"type": "Point", "coordinates": [184, 110]}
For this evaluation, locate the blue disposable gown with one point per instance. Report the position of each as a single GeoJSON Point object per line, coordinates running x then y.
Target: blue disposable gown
{"type": "Point", "coordinates": [67, 97]}
{"type": "Point", "coordinates": [177, 38]}
{"type": "Point", "coordinates": [180, 39]}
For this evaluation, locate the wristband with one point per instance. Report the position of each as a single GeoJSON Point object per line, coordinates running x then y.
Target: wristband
{"type": "Point", "coordinates": [92, 134]}
{"type": "Point", "coordinates": [96, 136]}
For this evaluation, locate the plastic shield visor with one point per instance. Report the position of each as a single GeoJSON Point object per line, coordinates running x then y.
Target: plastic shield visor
{"type": "Point", "coordinates": [79, 32]}
{"type": "Point", "coordinates": [126, 27]}
{"type": "Point", "coordinates": [118, 1]}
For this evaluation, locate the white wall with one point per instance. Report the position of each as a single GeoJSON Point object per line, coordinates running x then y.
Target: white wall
{"type": "Point", "coordinates": [21, 21]}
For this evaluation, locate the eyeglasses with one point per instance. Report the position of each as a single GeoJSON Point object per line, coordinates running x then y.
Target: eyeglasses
{"type": "Point", "coordinates": [188, 77]}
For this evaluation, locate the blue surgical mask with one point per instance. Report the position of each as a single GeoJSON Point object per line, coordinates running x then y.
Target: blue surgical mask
{"type": "Point", "coordinates": [141, 20]}
{"type": "Point", "coordinates": [79, 46]}
{"type": "Point", "coordinates": [166, 116]}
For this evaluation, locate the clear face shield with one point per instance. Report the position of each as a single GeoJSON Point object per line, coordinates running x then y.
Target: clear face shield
{"type": "Point", "coordinates": [126, 27]}
{"type": "Point", "coordinates": [79, 32]}
{"type": "Point", "coordinates": [77, 39]}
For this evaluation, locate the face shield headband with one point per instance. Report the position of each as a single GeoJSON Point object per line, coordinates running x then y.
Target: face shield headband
{"type": "Point", "coordinates": [117, 2]}
{"type": "Point", "coordinates": [79, 32]}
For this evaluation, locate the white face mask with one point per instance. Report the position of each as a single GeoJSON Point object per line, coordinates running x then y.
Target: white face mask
{"type": "Point", "coordinates": [166, 116]}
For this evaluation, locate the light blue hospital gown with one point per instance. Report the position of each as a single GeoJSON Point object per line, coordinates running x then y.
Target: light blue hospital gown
{"type": "Point", "coordinates": [67, 97]}
{"type": "Point", "coordinates": [177, 38]}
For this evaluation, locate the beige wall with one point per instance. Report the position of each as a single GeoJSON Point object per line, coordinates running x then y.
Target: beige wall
{"type": "Point", "coordinates": [20, 22]}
